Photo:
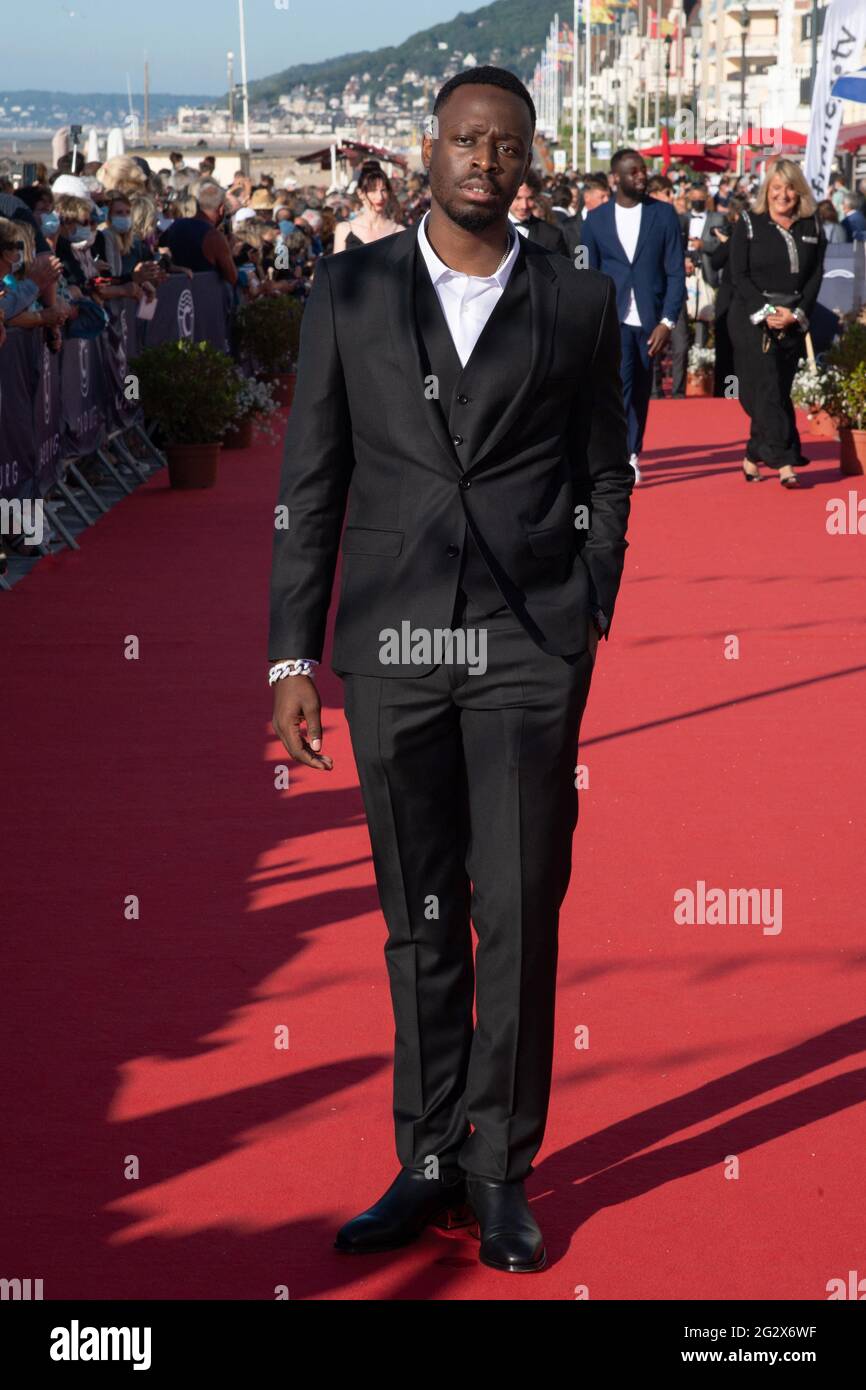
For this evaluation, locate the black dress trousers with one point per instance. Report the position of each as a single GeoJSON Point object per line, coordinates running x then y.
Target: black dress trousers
{"type": "Point", "coordinates": [765, 381]}
{"type": "Point", "coordinates": [468, 782]}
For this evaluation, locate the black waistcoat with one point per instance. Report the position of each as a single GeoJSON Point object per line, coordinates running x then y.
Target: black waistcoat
{"type": "Point", "coordinates": [472, 398]}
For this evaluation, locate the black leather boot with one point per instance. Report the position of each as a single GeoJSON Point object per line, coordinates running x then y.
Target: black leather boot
{"type": "Point", "coordinates": [511, 1238]}
{"type": "Point", "coordinates": [412, 1202]}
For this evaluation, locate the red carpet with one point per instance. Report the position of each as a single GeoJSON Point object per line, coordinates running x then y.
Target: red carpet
{"type": "Point", "coordinates": [707, 1144]}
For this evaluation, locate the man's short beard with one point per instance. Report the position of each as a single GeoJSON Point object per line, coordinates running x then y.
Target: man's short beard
{"type": "Point", "coordinates": [472, 219]}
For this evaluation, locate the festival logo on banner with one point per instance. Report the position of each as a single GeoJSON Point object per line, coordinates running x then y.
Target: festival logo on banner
{"type": "Point", "coordinates": [83, 368]}
{"type": "Point", "coordinates": [120, 358]}
{"type": "Point", "coordinates": [49, 443]}
{"type": "Point", "coordinates": [185, 314]}
{"type": "Point", "coordinates": [8, 468]}
{"type": "Point", "coordinates": [46, 386]}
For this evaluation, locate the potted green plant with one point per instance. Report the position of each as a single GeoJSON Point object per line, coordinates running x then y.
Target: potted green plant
{"type": "Point", "coordinates": [190, 391]}
{"type": "Point", "coordinates": [255, 407]}
{"type": "Point", "coordinates": [813, 391]}
{"type": "Point", "coordinates": [849, 347]}
{"type": "Point", "coordinates": [267, 334]}
{"type": "Point", "coordinates": [852, 421]}
{"type": "Point", "coordinates": [699, 373]}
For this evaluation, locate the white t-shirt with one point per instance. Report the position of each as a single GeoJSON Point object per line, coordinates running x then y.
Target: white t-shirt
{"type": "Point", "coordinates": [628, 231]}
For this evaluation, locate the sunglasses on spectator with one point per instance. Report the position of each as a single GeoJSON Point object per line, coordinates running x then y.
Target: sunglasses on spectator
{"type": "Point", "coordinates": [12, 246]}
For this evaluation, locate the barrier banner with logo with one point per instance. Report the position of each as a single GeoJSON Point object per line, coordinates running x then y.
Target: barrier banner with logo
{"type": "Point", "coordinates": [119, 347]}
{"type": "Point", "coordinates": [83, 396]}
{"type": "Point", "coordinates": [47, 424]}
{"type": "Point", "coordinates": [212, 301]}
{"type": "Point", "coordinates": [843, 290]}
{"type": "Point", "coordinates": [175, 314]}
{"type": "Point", "coordinates": [55, 406]}
{"type": "Point", "coordinates": [19, 375]}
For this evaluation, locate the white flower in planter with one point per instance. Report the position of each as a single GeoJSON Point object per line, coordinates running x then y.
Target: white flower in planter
{"type": "Point", "coordinates": [701, 359]}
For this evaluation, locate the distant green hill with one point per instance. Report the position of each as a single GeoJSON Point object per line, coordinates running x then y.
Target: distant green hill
{"type": "Point", "coordinates": [515, 29]}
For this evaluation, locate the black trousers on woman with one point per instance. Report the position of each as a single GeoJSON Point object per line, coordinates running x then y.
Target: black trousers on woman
{"type": "Point", "coordinates": [723, 367]}
{"type": "Point", "coordinates": [764, 382]}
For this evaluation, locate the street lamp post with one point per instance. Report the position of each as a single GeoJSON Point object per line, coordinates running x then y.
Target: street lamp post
{"type": "Point", "coordinates": [230, 74]}
{"type": "Point", "coordinates": [668, 45]}
{"type": "Point", "coordinates": [696, 43]}
{"type": "Point", "coordinates": [246, 97]}
{"type": "Point", "coordinates": [745, 19]}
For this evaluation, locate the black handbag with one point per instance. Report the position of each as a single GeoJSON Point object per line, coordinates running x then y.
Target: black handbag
{"type": "Point", "coordinates": [783, 299]}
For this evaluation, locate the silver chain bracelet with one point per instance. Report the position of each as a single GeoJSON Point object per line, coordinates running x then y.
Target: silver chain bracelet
{"type": "Point", "coordinates": [290, 668]}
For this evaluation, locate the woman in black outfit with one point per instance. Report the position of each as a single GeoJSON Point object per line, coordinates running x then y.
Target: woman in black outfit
{"type": "Point", "coordinates": [374, 221]}
{"type": "Point", "coordinates": [777, 260]}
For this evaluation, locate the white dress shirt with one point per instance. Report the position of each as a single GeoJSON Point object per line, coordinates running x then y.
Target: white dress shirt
{"type": "Point", "coordinates": [697, 222]}
{"type": "Point", "coordinates": [628, 231]}
{"type": "Point", "coordinates": [467, 300]}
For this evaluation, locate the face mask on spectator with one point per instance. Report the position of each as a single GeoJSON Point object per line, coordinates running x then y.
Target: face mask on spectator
{"type": "Point", "coordinates": [83, 236]}
{"type": "Point", "coordinates": [101, 211]}
{"type": "Point", "coordinates": [121, 224]}
{"type": "Point", "coordinates": [285, 226]}
{"type": "Point", "coordinates": [163, 223]}
{"type": "Point", "coordinates": [50, 223]}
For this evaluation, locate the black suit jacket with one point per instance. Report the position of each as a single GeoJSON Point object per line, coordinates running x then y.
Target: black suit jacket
{"type": "Point", "coordinates": [571, 229]}
{"type": "Point", "coordinates": [368, 440]}
{"type": "Point", "coordinates": [547, 234]}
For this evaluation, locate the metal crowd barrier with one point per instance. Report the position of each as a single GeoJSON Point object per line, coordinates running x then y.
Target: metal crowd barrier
{"type": "Point", "coordinates": [58, 409]}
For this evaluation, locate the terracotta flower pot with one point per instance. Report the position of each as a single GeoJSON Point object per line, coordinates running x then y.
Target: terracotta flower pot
{"type": "Point", "coordinates": [822, 424]}
{"type": "Point", "coordinates": [284, 386]}
{"type": "Point", "coordinates": [240, 438]}
{"type": "Point", "coordinates": [852, 451]}
{"type": "Point", "coordinates": [699, 384]}
{"type": "Point", "coordinates": [192, 465]}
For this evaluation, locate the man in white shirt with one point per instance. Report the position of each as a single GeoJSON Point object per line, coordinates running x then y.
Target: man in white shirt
{"type": "Point", "coordinates": [637, 241]}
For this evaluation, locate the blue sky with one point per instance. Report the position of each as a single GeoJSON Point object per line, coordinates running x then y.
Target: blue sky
{"type": "Point", "coordinates": [90, 47]}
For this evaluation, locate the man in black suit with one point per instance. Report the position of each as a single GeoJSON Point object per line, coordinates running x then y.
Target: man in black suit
{"type": "Point", "coordinates": [459, 402]}
{"type": "Point", "coordinates": [566, 213]}
{"type": "Point", "coordinates": [524, 213]}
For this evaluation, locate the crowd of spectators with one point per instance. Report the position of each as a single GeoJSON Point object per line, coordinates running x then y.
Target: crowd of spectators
{"type": "Point", "coordinates": [75, 238]}
{"type": "Point", "coordinates": [83, 234]}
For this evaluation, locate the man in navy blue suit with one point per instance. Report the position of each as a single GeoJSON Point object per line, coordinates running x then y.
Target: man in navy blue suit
{"type": "Point", "coordinates": [636, 240]}
{"type": "Point", "coordinates": [854, 220]}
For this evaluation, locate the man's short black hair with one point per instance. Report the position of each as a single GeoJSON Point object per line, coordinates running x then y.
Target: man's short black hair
{"type": "Point", "coordinates": [596, 181]}
{"type": "Point", "coordinates": [485, 76]}
{"type": "Point", "coordinates": [619, 155]}
{"type": "Point", "coordinates": [659, 183]}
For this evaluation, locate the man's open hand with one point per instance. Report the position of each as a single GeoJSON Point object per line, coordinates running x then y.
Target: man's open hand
{"type": "Point", "coordinates": [296, 702]}
{"type": "Point", "coordinates": [658, 338]}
